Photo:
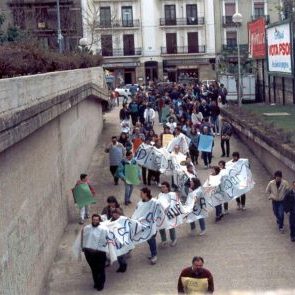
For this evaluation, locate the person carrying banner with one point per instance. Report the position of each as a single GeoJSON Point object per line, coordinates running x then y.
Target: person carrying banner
{"type": "Point", "coordinates": [116, 213]}
{"type": "Point", "coordinates": [165, 197]}
{"type": "Point", "coordinates": [116, 153]}
{"type": "Point", "coordinates": [221, 165]}
{"type": "Point", "coordinates": [276, 191]}
{"type": "Point", "coordinates": [112, 204]}
{"type": "Point", "coordinates": [195, 183]}
{"type": "Point", "coordinates": [241, 201]}
{"type": "Point", "coordinates": [129, 172]}
{"type": "Point", "coordinates": [90, 236]}
{"type": "Point", "coordinates": [84, 210]}
{"type": "Point", "coordinates": [146, 196]}
{"type": "Point", "coordinates": [195, 279]}
{"type": "Point", "coordinates": [226, 133]}
{"type": "Point", "coordinates": [289, 207]}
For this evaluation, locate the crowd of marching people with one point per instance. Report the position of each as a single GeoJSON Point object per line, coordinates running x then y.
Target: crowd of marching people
{"type": "Point", "coordinates": [186, 111]}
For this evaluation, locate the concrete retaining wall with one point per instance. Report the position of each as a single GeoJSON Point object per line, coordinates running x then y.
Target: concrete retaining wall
{"type": "Point", "coordinates": [271, 158]}
{"type": "Point", "coordinates": [36, 177]}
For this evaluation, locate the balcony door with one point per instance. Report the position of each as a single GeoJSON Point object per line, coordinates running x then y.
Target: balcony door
{"type": "Point", "coordinates": [170, 15]}
{"type": "Point", "coordinates": [192, 14]}
{"type": "Point", "coordinates": [193, 42]}
{"type": "Point", "coordinates": [258, 9]}
{"type": "Point", "coordinates": [230, 9]}
{"type": "Point", "coordinates": [105, 17]}
{"type": "Point", "coordinates": [171, 43]}
{"type": "Point", "coordinates": [127, 16]}
{"type": "Point", "coordinates": [106, 45]}
{"type": "Point", "coordinates": [128, 43]}
{"type": "Point", "coordinates": [231, 39]}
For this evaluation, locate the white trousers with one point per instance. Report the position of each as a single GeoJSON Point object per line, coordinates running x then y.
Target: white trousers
{"type": "Point", "coordinates": [84, 211]}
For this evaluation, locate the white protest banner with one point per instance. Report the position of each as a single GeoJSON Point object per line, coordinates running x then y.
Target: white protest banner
{"type": "Point", "coordinates": [234, 181]}
{"type": "Point", "coordinates": [182, 141]}
{"type": "Point", "coordinates": [196, 206]}
{"type": "Point", "coordinates": [148, 156]}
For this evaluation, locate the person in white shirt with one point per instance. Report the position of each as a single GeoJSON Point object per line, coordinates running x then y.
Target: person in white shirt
{"type": "Point", "coordinates": [149, 115]}
{"type": "Point", "coordinates": [165, 197]}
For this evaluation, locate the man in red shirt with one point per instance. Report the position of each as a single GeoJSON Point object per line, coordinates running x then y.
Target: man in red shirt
{"type": "Point", "coordinates": [195, 278]}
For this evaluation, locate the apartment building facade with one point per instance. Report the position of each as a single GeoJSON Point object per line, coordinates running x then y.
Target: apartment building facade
{"type": "Point", "coordinates": [39, 17]}
{"type": "Point", "coordinates": [155, 40]}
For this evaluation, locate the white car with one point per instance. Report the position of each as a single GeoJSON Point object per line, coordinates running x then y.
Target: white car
{"type": "Point", "coordinates": [123, 92]}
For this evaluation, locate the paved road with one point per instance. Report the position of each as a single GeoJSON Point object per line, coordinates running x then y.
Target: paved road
{"type": "Point", "coordinates": [245, 251]}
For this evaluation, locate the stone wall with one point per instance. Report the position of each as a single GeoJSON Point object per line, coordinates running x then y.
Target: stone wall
{"type": "Point", "coordinates": [273, 155]}
{"type": "Point", "coordinates": [37, 174]}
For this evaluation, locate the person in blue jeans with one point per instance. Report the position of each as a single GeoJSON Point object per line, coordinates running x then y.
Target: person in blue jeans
{"type": "Point", "coordinates": [121, 174]}
{"type": "Point", "coordinates": [194, 184]}
{"type": "Point", "coordinates": [146, 196]}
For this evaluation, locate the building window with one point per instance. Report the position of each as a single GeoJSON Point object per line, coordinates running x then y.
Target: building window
{"type": "Point", "coordinates": [258, 9]}
{"type": "Point", "coordinates": [105, 17]}
{"type": "Point", "coordinates": [170, 15]}
{"type": "Point", "coordinates": [193, 42]}
{"type": "Point", "coordinates": [128, 43]}
{"type": "Point", "coordinates": [231, 39]}
{"type": "Point", "coordinates": [230, 9]}
{"type": "Point", "coordinates": [127, 16]}
{"type": "Point", "coordinates": [171, 43]}
{"type": "Point", "coordinates": [106, 45]}
{"type": "Point", "coordinates": [41, 17]}
{"type": "Point", "coordinates": [191, 14]}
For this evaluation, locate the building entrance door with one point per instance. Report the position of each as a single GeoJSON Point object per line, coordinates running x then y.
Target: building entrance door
{"type": "Point", "coordinates": [151, 71]}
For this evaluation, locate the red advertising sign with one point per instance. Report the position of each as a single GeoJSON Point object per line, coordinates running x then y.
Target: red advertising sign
{"type": "Point", "coordinates": [256, 33]}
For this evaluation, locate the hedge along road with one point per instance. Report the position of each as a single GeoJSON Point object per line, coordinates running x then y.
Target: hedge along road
{"type": "Point", "coordinates": [244, 251]}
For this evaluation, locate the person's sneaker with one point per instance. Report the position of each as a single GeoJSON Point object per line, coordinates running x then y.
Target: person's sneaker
{"type": "Point", "coordinates": [81, 221]}
{"type": "Point", "coordinates": [243, 208]}
{"type": "Point", "coordinates": [293, 239]}
{"type": "Point", "coordinates": [86, 216]}
{"type": "Point", "coordinates": [217, 134]}
{"type": "Point", "coordinates": [282, 230]}
{"type": "Point", "coordinates": [164, 244]}
{"type": "Point", "coordinates": [129, 202]}
{"type": "Point", "coordinates": [202, 232]}
{"type": "Point", "coordinates": [154, 260]}
{"type": "Point", "coordinates": [225, 212]}
{"type": "Point", "coordinates": [173, 243]}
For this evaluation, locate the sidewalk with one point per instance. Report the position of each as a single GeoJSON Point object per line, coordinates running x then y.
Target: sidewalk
{"type": "Point", "coordinates": [244, 251]}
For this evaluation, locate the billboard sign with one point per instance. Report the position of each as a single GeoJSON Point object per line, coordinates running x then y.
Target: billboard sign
{"type": "Point", "coordinates": [256, 33]}
{"type": "Point", "coordinates": [279, 48]}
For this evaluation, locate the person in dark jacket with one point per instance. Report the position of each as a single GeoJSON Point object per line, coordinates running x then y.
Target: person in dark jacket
{"type": "Point", "coordinates": [226, 133]}
{"type": "Point", "coordinates": [289, 207]}
{"type": "Point", "coordinates": [195, 279]}
{"type": "Point", "coordinates": [214, 116]}
{"type": "Point", "coordinates": [124, 113]}
{"type": "Point", "coordinates": [112, 205]}
{"type": "Point", "coordinates": [133, 108]}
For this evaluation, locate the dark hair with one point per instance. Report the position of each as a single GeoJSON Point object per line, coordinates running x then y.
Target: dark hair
{"type": "Point", "coordinates": [278, 174]}
{"type": "Point", "coordinates": [216, 169]}
{"type": "Point", "coordinates": [114, 137]}
{"type": "Point", "coordinates": [128, 153]}
{"type": "Point", "coordinates": [222, 162]}
{"type": "Point", "coordinates": [96, 215]}
{"type": "Point", "coordinates": [197, 258]}
{"type": "Point", "coordinates": [167, 184]}
{"type": "Point", "coordinates": [147, 191]}
{"type": "Point", "coordinates": [236, 154]}
{"type": "Point", "coordinates": [83, 176]}
{"type": "Point", "coordinates": [112, 199]}
{"type": "Point", "coordinates": [197, 183]}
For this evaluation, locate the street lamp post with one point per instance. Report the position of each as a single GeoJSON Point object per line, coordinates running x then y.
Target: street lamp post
{"type": "Point", "coordinates": [238, 19]}
{"type": "Point", "coordinates": [59, 34]}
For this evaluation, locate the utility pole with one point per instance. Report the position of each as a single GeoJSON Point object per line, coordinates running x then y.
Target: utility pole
{"type": "Point", "coordinates": [59, 34]}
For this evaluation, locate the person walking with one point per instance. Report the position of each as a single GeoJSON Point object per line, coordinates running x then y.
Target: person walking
{"type": "Point", "coordinates": [116, 153]}
{"type": "Point", "coordinates": [196, 279]}
{"type": "Point", "coordinates": [226, 133]}
{"type": "Point", "coordinates": [207, 156]}
{"type": "Point", "coordinates": [276, 191]}
{"type": "Point", "coordinates": [289, 207]}
{"type": "Point", "coordinates": [214, 117]}
{"type": "Point", "coordinates": [95, 258]}
{"type": "Point", "coordinates": [221, 165]}
{"type": "Point", "coordinates": [112, 204]}
{"type": "Point", "coordinates": [84, 211]}
{"type": "Point", "coordinates": [218, 208]}
{"type": "Point", "coordinates": [165, 197]}
{"type": "Point", "coordinates": [149, 115]}
{"type": "Point", "coordinates": [124, 169]}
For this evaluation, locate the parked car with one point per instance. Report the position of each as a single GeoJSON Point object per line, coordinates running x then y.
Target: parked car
{"type": "Point", "coordinates": [124, 91]}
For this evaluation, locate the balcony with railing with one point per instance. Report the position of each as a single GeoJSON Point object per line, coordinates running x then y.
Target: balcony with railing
{"type": "Point", "coordinates": [106, 52]}
{"type": "Point", "coordinates": [118, 24]}
{"type": "Point", "coordinates": [266, 16]}
{"type": "Point", "coordinates": [188, 21]}
{"type": "Point", "coordinates": [233, 48]}
{"type": "Point", "coordinates": [183, 50]}
{"type": "Point", "coordinates": [227, 21]}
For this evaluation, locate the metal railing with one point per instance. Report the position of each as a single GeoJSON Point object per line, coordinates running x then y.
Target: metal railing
{"type": "Point", "coordinates": [121, 52]}
{"type": "Point", "coordinates": [266, 16]}
{"type": "Point", "coordinates": [188, 21]}
{"type": "Point", "coordinates": [228, 21]}
{"type": "Point", "coordinates": [183, 49]}
{"type": "Point", "coordinates": [234, 47]}
{"type": "Point", "coordinates": [130, 23]}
